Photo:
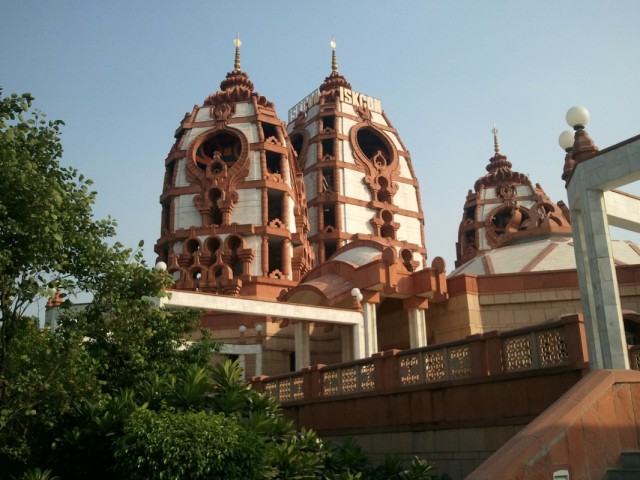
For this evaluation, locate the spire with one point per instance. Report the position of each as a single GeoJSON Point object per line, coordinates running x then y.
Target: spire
{"type": "Point", "coordinates": [237, 43]}
{"type": "Point", "coordinates": [334, 81]}
{"type": "Point", "coordinates": [236, 87]}
{"type": "Point", "coordinates": [334, 60]}
{"type": "Point", "coordinates": [499, 169]}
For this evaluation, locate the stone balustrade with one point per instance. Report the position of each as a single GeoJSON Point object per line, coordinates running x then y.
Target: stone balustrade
{"type": "Point", "coordinates": [557, 344]}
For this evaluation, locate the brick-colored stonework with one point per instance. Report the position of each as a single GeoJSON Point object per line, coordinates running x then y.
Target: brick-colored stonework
{"type": "Point", "coordinates": [583, 432]}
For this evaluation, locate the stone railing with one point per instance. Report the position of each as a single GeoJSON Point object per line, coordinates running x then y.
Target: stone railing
{"type": "Point", "coordinates": [555, 344]}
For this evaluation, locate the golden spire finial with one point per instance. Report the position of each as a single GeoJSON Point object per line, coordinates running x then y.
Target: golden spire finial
{"type": "Point", "coordinates": [496, 146]}
{"type": "Point", "coordinates": [334, 61]}
{"type": "Point", "coordinates": [237, 43]}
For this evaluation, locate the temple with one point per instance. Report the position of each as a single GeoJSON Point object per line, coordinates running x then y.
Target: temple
{"type": "Point", "coordinates": [325, 212]}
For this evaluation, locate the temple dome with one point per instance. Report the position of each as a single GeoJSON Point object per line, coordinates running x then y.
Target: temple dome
{"type": "Point", "coordinates": [505, 209]}
{"type": "Point", "coordinates": [234, 215]}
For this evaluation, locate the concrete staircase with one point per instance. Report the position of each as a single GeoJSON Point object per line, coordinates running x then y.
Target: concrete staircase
{"type": "Point", "coordinates": [630, 469]}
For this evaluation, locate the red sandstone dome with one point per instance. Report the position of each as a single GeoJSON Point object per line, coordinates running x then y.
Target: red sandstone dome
{"type": "Point", "coordinates": [233, 201]}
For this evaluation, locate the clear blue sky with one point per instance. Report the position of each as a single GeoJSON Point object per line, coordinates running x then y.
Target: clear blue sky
{"type": "Point", "coordinates": [122, 75]}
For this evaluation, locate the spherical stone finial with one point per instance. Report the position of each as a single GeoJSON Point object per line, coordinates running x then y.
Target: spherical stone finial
{"type": "Point", "coordinates": [333, 43]}
{"type": "Point", "coordinates": [566, 138]}
{"type": "Point", "coordinates": [356, 294]}
{"type": "Point", "coordinates": [577, 117]}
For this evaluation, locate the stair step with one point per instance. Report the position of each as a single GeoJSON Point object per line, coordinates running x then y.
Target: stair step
{"type": "Point", "coordinates": [623, 473]}
{"type": "Point", "coordinates": [631, 459]}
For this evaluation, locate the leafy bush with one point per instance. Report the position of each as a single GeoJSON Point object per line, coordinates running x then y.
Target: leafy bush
{"type": "Point", "coordinates": [193, 445]}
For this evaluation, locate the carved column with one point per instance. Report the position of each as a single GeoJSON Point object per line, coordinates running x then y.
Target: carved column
{"type": "Point", "coordinates": [265, 207]}
{"type": "Point", "coordinates": [246, 256]}
{"type": "Point", "coordinates": [286, 259]}
{"type": "Point", "coordinates": [285, 209]}
{"type": "Point", "coordinates": [265, 256]}
{"type": "Point", "coordinates": [226, 206]}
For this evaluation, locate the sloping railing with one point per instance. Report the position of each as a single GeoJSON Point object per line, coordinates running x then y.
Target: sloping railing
{"type": "Point", "coordinates": [555, 344]}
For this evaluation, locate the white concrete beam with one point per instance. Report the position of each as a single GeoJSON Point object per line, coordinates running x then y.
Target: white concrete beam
{"type": "Point", "coordinates": [221, 303]}
{"type": "Point", "coordinates": [623, 210]}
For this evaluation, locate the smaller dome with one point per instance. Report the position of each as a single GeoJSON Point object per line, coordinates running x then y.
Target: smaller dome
{"type": "Point", "coordinates": [540, 256]}
{"type": "Point", "coordinates": [506, 209]}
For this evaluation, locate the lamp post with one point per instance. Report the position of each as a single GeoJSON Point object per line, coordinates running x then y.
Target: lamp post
{"type": "Point", "coordinates": [595, 268]}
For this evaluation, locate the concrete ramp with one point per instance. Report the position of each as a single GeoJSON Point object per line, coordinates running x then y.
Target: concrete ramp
{"type": "Point", "coordinates": [580, 436]}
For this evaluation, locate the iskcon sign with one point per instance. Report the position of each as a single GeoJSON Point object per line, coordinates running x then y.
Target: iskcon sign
{"type": "Point", "coordinates": [346, 95]}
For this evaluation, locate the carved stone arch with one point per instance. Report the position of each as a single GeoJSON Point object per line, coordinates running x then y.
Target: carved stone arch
{"type": "Point", "coordinates": [220, 271]}
{"type": "Point", "coordinates": [195, 277]}
{"type": "Point", "coordinates": [386, 188]}
{"type": "Point", "coordinates": [374, 146]}
{"type": "Point", "coordinates": [232, 254]}
{"type": "Point", "coordinates": [384, 225]}
{"type": "Point", "coordinates": [178, 273]}
{"type": "Point", "coordinates": [378, 156]}
{"type": "Point", "coordinates": [204, 165]}
{"type": "Point", "coordinates": [212, 245]}
{"type": "Point", "coordinates": [191, 246]}
{"type": "Point", "coordinates": [407, 260]}
{"type": "Point", "coordinates": [505, 221]}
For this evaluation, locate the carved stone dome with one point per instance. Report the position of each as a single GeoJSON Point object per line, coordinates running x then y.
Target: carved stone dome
{"type": "Point", "coordinates": [234, 210]}
{"type": "Point", "coordinates": [504, 209]}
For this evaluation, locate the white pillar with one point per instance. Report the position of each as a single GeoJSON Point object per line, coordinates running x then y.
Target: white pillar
{"type": "Point", "coordinates": [370, 328]}
{"type": "Point", "coordinates": [586, 290]}
{"type": "Point", "coordinates": [259, 361]}
{"type": "Point", "coordinates": [358, 341]}
{"type": "Point", "coordinates": [601, 296]}
{"type": "Point", "coordinates": [303, 351]}
{"type": "Point", "coordinates": [417, 328]}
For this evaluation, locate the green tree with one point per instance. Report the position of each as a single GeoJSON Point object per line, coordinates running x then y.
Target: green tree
{"type": "Point", "coordinates": [55, 384]}
{"type": "Point", "coordinates": [48, 236]}
{"type": "Point", "coordinates": [47, 376]}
